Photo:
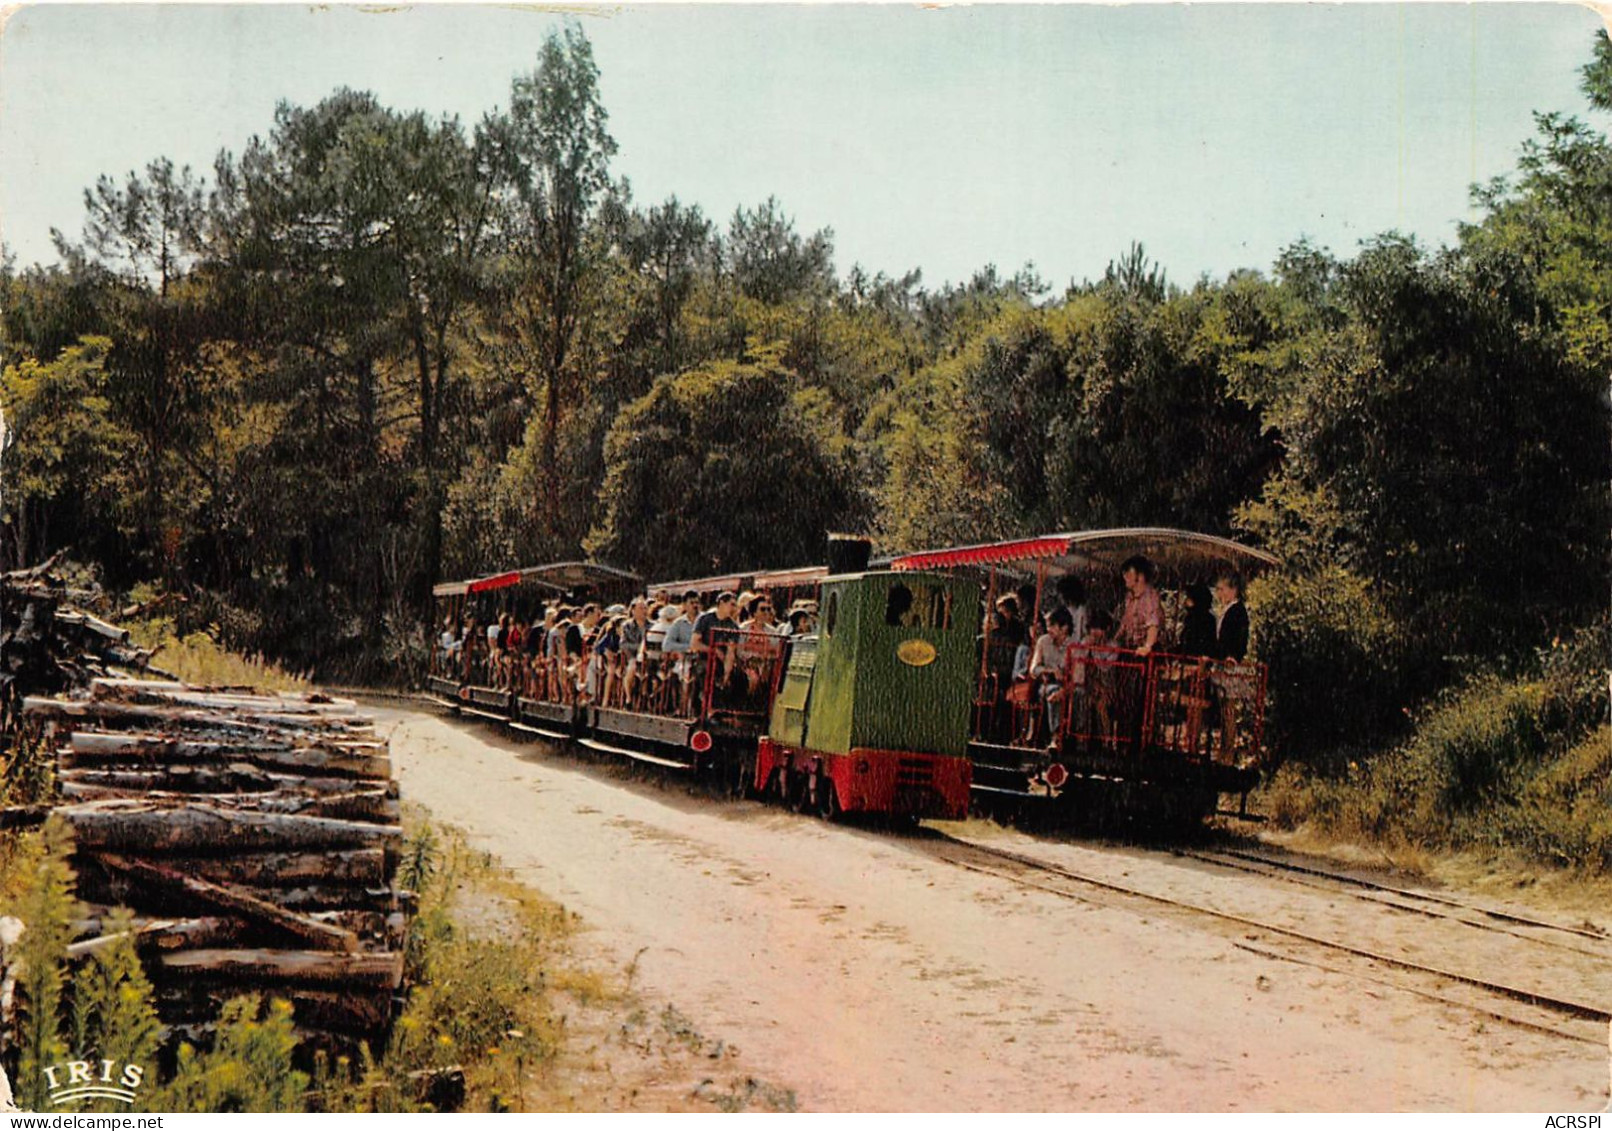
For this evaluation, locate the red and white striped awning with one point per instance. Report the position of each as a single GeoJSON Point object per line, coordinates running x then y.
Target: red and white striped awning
{"type": "Point", "coordinates": [1095, 551]}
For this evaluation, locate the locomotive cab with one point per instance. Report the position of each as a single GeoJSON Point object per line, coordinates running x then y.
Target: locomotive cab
{"type": "Point", "coordinates": [873, 711]}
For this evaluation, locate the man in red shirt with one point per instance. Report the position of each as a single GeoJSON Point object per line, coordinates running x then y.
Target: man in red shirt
{"type": "Point", "coordinates": [1143, 619]}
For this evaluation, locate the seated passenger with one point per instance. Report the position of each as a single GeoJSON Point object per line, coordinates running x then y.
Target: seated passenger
{"type": "Point", "coordinates": [495, 636]}
{"type": "Point", "coordinates": [715, 634]}
{"type": "Point", "coordinates": [514, 649]}
{"type": "Point", "coordinates": [587, 671]}
{"type": "Point", "coordinates": [1047, 665]}
{"type": "Point", "coordinates": [679, 644]}
{"type": "Point", "coordinates": [760, 646]}
{"type": "Point", "coordinates": [633, 634]}
{"type": "Point", "coordinates": [1008, 628]}
{"type": "Point", "coordinates": [655, 672]}
{"type": "Point", "coordinates": [537, 637]}
{"type": "Point", "coordinates": [606, 661]}
{"type": "Point", "coordinates": [447, 647]}
{"type": "Point", "coordinates": [1072, 595]}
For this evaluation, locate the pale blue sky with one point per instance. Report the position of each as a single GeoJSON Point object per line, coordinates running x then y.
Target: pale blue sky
{"type": "Point", "coordinates": [936, 138]}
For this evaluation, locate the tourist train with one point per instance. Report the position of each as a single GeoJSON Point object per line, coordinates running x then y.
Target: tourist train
{"type": "Point", "coordinates": [908, 687]}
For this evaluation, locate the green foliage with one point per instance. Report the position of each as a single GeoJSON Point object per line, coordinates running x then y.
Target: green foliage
{"type": "Point", "coordinates": [365, 1087]}
{"type": "Point", "coordinates": [1334, 652]}
{"type": "Point", "coordinates": [112, 1016]}
{"type": "Point", "coordinates": [47, 910]}
{"type": "Point", "coordinates": [64, 451]}
{"type": "Point", "coordinates": [1520, 763]}
{"type": "Point", "coordinates": [772, 263]}
{"type": "Point", "coordinates": [249, 1067]}
{"type": "Point", "coordinates": [1112, 410]}
{"type": "Point", "coordinates": [720, 468]}
{"type": "Point", "coordinates": [28, 769]}
{"type": "Point", "coordinates": [480, 991]}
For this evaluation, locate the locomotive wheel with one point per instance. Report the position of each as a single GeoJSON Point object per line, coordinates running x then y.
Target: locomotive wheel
{"type": "Point", "coordinates": [777, 790]}
{"type": "Point", "coordinates": [801, 793]}
{"type": "Point", "coordinates": [791, 786]}
{"type": "Point", "coordinates": [828, 799]}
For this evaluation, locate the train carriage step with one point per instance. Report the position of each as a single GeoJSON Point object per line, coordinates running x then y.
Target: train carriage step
{"type": "Point", "coordinates": [636, 755]}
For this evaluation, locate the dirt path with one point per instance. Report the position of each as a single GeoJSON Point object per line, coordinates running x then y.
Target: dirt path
{"type": "Point", "coordinates": [865, 973]}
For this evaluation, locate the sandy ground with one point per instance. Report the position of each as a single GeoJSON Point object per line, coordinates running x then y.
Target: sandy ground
{"type": "Point", "coordinates": [861, 971]}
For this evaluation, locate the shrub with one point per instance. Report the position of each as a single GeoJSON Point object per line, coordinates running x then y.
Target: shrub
{"type": "Point", "coordinates": [1521, 762]}
{"type": "Point", "coordinates": [249, 1067]}
{"type": "Point", "coordinates": [1335, 658]}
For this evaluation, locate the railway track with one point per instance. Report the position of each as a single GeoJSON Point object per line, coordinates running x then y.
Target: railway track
{"type": "Point", "coordinates": [1520, 1006]}
{"type": "Point", "coordinates": [1425, 904]}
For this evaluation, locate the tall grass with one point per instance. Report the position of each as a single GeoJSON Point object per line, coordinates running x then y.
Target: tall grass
{"type": "Point", "coordinates": [199, 658]}
{"type": "Point", "coordinates": [1519, 763]}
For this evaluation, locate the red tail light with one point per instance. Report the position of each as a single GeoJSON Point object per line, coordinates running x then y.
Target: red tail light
{"type": "Point", "coordinates": [1056, 775]}
{"type": "Point", "coordinates": [700, 741]}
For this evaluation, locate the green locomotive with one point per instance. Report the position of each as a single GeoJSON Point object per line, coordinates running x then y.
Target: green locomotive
{"type": "Point", "coordinates": [873, 713]}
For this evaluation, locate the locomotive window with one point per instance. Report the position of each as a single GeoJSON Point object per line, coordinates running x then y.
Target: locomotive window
{"type": "Point", "coordinates": [831, 613]}
{"type": "Point", "coordinates": [918, 606]}
{"type": "Point", "coordinates": [898, 605]}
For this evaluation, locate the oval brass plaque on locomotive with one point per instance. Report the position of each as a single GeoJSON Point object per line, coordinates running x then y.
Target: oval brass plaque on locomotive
{"type": "Point", "coordinates": [915, 653]}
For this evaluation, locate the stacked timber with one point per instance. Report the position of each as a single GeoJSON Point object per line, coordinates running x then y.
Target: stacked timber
{"type": "Point", "coordinates": [253, 836]}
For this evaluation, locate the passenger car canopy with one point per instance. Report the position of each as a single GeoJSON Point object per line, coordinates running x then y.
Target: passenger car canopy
{"type": "Point", "coordinates": [559, 576]}
{"type": "Point", "coordinates": [564, 576]}
{"type": "Point", "coordinates": [1098, 551]}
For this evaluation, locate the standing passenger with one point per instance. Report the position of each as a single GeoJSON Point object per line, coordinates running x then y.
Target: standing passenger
{"type": "Point", "coordinates": [1231, 631]}
{"type": "Point", "coordinates": [1140, 626]}
{"type": "Point", "coordinates": [1142, 620]}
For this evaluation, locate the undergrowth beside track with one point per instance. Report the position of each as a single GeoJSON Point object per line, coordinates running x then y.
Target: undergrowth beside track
{"type": "Point", "coordinates": [1515, 766]}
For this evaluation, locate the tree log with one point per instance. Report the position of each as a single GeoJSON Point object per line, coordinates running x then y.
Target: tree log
{"type": "Point", "coordinates": [160, 693]}
{"type": "Point", "coordinates": [24, 816]}
{"type": "Point", "coordinates": [323, 935]}
{"type": "Point", "coordinates": [365, 760]}
{"type": "Point", "coordinates": [239, 722]}
{"type": "Point", "coordinates": [168, 934]}
{"type": "Point", "coordinates": [114, 888]}
{"type": "Point", "coordinates": [346, 1010]}
{"type": "Point", "coordinates": [379, 970]}
{"type": "Point", "coordinates": [361, 867]}
{"type": "Point", "coordinates": [366, 805]}
{"type": "Point", "coordinates": [237, 777]}
{"type": "Point", "coordinates": [200, 829]}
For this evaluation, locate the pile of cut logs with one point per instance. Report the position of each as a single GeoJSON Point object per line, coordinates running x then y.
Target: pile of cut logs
{"type": "Point", "coordinates": [253, 836]}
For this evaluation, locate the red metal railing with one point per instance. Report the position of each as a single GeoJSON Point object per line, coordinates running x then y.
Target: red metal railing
{"type": "Point", "coordinates": [738, 677]}
{"type": "Point", "coordinates": [1119, 701]}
